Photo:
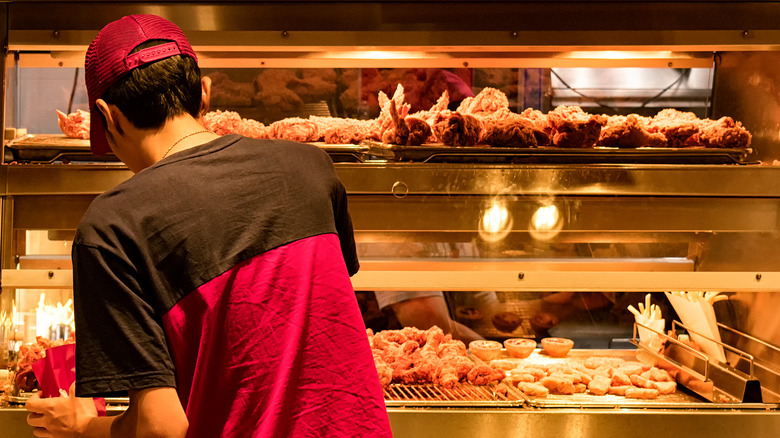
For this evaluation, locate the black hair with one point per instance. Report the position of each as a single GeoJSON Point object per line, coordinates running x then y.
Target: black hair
{"type": "Point", "coordinates": [154, 93]}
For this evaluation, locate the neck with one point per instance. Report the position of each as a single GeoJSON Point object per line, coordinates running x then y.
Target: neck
{"type": "Point", "coordinates": [175, 136]}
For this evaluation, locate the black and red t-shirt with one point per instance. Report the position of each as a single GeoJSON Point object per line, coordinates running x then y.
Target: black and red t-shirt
{"type": "Point", "coordinates": [223, 271]}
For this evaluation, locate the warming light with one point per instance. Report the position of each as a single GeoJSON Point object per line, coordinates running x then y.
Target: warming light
{"type": "Point", "coordinates": [496, 222]}
{"type": "Point", "coordinates": [546, 222]}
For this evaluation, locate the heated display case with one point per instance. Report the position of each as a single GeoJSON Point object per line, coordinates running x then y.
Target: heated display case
{"type": "Point", "coordinates": [522, 223]}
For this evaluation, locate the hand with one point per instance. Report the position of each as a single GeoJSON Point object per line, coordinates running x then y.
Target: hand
{"type": "Point", "coordinates": [60, 417]}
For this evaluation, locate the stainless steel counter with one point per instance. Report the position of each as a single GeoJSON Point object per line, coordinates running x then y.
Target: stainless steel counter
{"type": "Point", "coordinates": [745, 181]}
{"type": "Point", "coordinates": [521, 422]}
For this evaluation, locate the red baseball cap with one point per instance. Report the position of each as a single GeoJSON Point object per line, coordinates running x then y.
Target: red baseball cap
{"type": "Point", "coordinates": [108, 59]}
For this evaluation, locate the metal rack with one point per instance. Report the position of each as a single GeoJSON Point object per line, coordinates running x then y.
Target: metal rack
{"type": "Point", "coordinates": [716, 381]}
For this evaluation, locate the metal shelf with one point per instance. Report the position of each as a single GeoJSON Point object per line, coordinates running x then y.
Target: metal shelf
{"type": "Point", "coordinates": [384, 178]}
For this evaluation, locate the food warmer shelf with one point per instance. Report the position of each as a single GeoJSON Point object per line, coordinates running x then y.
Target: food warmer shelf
{"type": "Point", "coordinates": [56, 148]}
{"type": "Point", "coordinates": [482, 154]}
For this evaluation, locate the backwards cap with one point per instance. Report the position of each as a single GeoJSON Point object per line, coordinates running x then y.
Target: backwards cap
{"type": "Point", "coordinates": [108, 59]}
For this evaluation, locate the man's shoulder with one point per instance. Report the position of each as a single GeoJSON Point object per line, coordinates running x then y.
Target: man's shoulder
{"type": "Point", "coordinates": [284, 147]}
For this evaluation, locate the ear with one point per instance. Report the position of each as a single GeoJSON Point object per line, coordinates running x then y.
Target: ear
{"type": "Point", "coordinates": [113, 117]}
{"type": "Point", "coordinates": [205, 99]}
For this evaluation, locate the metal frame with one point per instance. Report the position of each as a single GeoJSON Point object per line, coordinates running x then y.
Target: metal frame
{"type": "Point", "coordinates": [444, 34]}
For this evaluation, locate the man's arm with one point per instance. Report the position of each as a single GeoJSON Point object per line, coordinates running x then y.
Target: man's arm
{"type": "Point", "coordinates": [425, 312]}
{"type": "Point", "coordinates": [153, 413]}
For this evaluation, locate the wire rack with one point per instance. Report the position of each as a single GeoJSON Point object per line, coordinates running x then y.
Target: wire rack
{"type": "Point", "coordinates": [461, 395]}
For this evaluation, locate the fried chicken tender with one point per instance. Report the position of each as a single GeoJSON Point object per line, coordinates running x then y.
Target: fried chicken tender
{"type": "Point", "coordinates": [665, 387]}
{"type": "Point", "coordinates": [619, 390]}
{"type": "Point", "coordinates": [533, 389]}
{"type": "Point", "coordinates": [641, 393]}
{"type": "Point", "coordinates": [599, 385]}
{"type": "Point", "coordinates": [657, 375]}
{"type": "Point", "coordinates": [594, 362]}
{"type": "Point", "coordinates": [620, 379]}
{"type": "Point", "coordinates": [558, 385]}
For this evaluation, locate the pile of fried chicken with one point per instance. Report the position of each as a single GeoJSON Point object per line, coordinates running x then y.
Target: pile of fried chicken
{"type": "Point", "coordinates": [414, 356]}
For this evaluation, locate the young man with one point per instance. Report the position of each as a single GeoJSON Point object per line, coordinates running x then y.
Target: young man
{"type": "Point", "coordinates": [212, 286]}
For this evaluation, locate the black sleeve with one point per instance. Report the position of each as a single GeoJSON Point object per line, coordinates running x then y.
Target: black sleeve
{"type": "Point", "coordinates": [120, 343]}
{"type": "Point", "coordinates": [344, 228]}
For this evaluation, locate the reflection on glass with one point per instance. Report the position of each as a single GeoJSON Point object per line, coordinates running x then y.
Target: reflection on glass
{"type": "Point", "coordinates": [546, 222]}
{"type": "Point", "coordinates": [496, 222]}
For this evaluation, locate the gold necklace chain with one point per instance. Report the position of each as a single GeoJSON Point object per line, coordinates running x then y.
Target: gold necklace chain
{"type": "Point", "coordinates": [180, 140]}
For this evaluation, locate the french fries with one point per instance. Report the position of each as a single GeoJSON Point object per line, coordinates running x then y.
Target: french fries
{"type": "Point", "coordinates": [693, 297]}
{"type": "Point", "coordinates": [647, 311]}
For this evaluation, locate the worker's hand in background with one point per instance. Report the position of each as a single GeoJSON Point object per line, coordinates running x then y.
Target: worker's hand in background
{"type": "Point", "coordinates": [65, 416]}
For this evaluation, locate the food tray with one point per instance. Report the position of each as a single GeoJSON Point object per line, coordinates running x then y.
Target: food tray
{"type": "Point", "coordinates": [681, 399]}
{"type": "Point", "coordinates": [55, 147]}
{"type": "Point", "coordinates": [344, 153]}
{"type": "Point", "coordinates": [483, 154]}
{"type": "Point", "coordinates": [710, 378]}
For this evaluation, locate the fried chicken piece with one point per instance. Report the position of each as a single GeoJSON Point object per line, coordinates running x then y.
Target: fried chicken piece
{"type": "Point", "coordinates": [679, 127]}
{"type": "Point", "coordinates": [628, 132]}
{"type": "Point", "coordinates": [384, 371]}
{"type": "Point", "coordinates": [409, 131]}
{"type": "Point", "coordinates": [538, 373]}
{"type": "Point", "coordinates": [509, 133]}
{"type": "Point", "coordinates": [484, 374]}
{"type": "Point", "coordinates": [504, 364]}
{"type": "Point", "coordinates": [574, 377]}
{"type": "Point", "coordinates": [584, 377]}
{"type": "Point", "coordinates": [504, 128]}
{"type": "Point", "coordinates": [294, 129]}
{"type": "Point", "coordinates": [384, 122]}
{"type": "Point", "coordinates": [440, 105]}
{"type": "Point", "coordinates": [632, 369]}
{"type": "Point", "coordinates": [501, 390]}
{"type": "Point", "coordinates": [560, 368]}
{"type": "Point", "coordinates": [456, 129]}
{"type": "Point", "coordinates": [574, 128]}
{"type": "Point", "coordinates": [515, 379]}
{"type": "Point", "coordinates": [419, 131]}
{"type": "Point", "coordinates": [541, 122]}
{"type": "Point", "coordinates": [447, 377]}
{"type": "Point", "coordinates": [723, 133]}
{"type": "Point", "coordinates": [486, 101]}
